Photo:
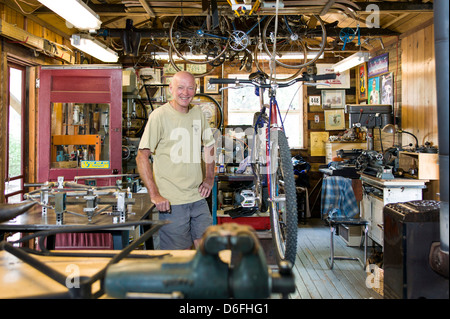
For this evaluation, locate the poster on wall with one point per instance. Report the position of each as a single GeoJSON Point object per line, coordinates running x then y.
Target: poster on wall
{"type": "Point", "coordinates": [378, 65]}
{"type": "Point", "coordinates": [318, 140]}
{"type": "Point", "coordinates": [342, 80]}
{"type": "Point", "coordinates": [362, 83]}
{"type": "Point", "coordinates": [387, 88]}
{"type": "Point", "coordinates": [374, 90]}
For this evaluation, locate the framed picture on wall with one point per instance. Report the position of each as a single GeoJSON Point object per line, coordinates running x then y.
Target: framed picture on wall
{"type": "Point", "coordinates": [374, 90]}
{"type": "Point", "coordinates": [210, 88]}
{"type": "Point", "coordinates": [333, 99]}
{"type": "Point", "coordinates": [378, 65]}
{"type": "Point", "coordinates": [198, 84]}
{"type": "Point", "coordinates": [168, 68]}
{"type": "Point", "coordinates": [318, 140]}
{"type": "Point", "coordinates": [362, 82]}
{"type": "Point", "coordinates": [334, 120]}
{"type": "Point", "coordinates": [387, 88]}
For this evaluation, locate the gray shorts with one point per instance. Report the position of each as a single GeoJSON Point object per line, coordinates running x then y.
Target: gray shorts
{"type": "Point", "coordinates": [188, 222]}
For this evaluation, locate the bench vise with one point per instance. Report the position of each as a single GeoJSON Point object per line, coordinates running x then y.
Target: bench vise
{"type": "Point", "coordinates": [205, 275]}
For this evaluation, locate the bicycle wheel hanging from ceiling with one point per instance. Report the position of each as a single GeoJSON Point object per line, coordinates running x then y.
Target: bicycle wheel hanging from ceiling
{"type": "Point", "coordinates": [195, 40]}
{"type": "Point", "coordinates": [282, 74]}
{"type": "Point", "coordinates": [294, 34]}
{"type": "Point", "coordinates": [177, 68]}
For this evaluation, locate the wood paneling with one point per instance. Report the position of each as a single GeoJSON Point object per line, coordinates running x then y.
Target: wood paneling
{"type": "Point", "coordinates": [419, 104]}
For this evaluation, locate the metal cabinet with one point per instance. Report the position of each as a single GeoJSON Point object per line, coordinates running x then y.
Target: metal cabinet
{"type": "Point", "coordinates": [378, 192]}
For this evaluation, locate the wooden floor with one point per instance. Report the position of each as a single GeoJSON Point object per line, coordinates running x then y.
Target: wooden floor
{"type": "Point", "coordinates": [313, 277]}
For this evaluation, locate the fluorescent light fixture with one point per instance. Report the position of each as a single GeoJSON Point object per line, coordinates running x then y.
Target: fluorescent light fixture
{"type": "Point", "coordinates": [352, 61]}
{"type": "Point", "coordinates": [291, 56]}
{"type": "Point", "coordinates": [94, 48]}
{"type": "Point", "coordinates": [75, 12]}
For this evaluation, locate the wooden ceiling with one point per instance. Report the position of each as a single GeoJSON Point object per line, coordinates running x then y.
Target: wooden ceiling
{"type": "Point", "coordinates": [395, 17]}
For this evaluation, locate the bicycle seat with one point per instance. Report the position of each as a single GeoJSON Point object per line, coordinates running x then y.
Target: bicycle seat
{"type": "Point", "coordinates": [261, 76]}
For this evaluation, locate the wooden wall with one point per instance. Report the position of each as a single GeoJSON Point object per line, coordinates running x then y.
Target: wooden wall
{"type": "Point", "coordinates": [419, 104]}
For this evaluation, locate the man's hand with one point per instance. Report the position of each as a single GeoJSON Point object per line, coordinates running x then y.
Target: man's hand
{"type": "Point", "coordinates": [161, 203]}
{"type": "Point", "coordinates": [205, 188]}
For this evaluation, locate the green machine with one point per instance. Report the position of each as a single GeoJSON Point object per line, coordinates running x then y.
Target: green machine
{"type": "Point", "coordinates": [205, 275]}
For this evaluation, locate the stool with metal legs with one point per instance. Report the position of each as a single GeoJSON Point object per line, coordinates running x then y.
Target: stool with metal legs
{"type": "Point", "coordinates": [335, 222]}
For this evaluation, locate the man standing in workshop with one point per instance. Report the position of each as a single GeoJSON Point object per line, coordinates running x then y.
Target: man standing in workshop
{"type": "Point", "coordinates": [173, 138]}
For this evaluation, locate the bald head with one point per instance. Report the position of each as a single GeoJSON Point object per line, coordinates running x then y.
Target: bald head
{"type": "Point", "coordinates": [183, 90]}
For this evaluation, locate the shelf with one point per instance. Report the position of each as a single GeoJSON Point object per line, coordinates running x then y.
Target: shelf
{"type": "Point", "coordinates": [426, 165]}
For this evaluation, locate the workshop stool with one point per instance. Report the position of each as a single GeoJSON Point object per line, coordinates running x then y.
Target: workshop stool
{"type": "Point", "coordinates": [334, 222]}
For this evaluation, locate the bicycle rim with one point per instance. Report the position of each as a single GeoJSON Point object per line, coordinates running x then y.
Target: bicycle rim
{"type": "Point", "coordinates": [175, 66]}
{"type": "Point", "coordinates": [281, 75]}
{"type": "Point", "coordinates": [134, 125]}
{"type": "Point", "coordinates": [283, 199]}
{"type": "Point", "coordinates": [293, 36]}
{"type": "Point", "coordinates": [211, 108]}
{"type": "Point", "coordinates": [197, 44]}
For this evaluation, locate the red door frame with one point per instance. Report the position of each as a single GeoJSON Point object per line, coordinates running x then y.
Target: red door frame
{"type": "Point", "coordinates": [63, 84]}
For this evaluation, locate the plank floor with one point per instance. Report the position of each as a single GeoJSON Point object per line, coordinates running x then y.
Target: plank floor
{"type": "Point", "coordinates": [313, 277]}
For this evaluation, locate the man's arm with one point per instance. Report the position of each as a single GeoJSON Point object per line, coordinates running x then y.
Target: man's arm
{"type": "Point", "coordinates": [207, 184]}
{"type": "Point", "coordinates": [146, 174]}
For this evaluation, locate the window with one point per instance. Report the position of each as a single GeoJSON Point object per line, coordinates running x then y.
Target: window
{"type": "Point", "coordinates": [15, 144]}
{"type": "Point", "coordinates": [243, 103]}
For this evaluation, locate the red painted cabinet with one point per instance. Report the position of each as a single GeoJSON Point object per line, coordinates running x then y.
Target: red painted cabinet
{"type": "Point", "coordinates": [80, 122]}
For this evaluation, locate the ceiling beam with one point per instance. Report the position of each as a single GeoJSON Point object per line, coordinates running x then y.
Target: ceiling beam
{"type": "Point", "coordinates": [398, 7]}
{"type": "Point", "coordinates": [147, 8]}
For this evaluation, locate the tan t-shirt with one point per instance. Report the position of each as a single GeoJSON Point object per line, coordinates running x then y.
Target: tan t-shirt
{"type": "Point", "coordinates": [175, 140]}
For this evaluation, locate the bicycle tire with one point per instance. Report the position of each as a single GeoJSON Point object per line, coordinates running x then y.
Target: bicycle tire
{"type": "Point", "coordinates": [175, 66]}
{"type": "Point", "coordinates": [298, 40]}
{"type": "Point", "coordinates": [263, 66]}
{"type": "Point", "coordinates": [180, 39]}
{"type": "Point", "coordinates": [284, 225]}
{"type": "Point", "coordinates": [216, 119]}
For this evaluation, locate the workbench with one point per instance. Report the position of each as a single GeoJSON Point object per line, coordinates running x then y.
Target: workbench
{"type": "Point", "coordinates": [20, 280]}
{"type": "Point", "coordinates": [34, 221]}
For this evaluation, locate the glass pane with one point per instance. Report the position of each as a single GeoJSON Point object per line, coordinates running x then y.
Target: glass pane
{"type": "Point", "coordinates": [13, 186]}
{"type": "Point", "coordinates": [80, 132]}
{"type": "Point", "coordinates": [242, 103]}
{"type": "Point", "coordinates": [15, 199]}
{"type": "Point", "coordinates": [245, 99]}
{"type": "Point", "coordinates": [15, 123]}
